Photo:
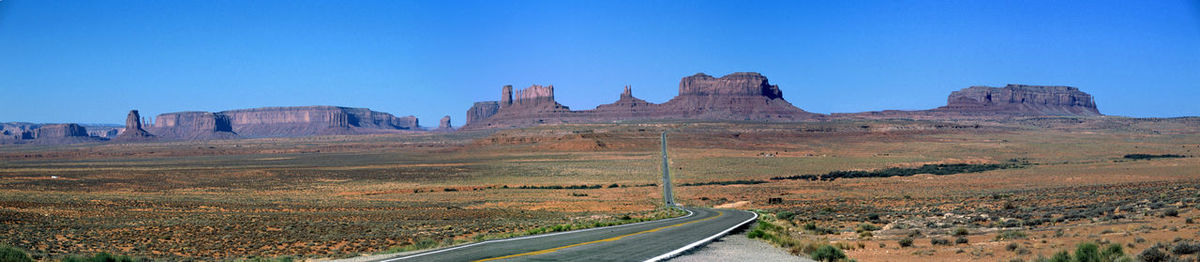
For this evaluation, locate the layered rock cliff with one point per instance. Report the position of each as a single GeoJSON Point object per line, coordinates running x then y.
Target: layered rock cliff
{"type": "Point", "coordinates": [192, 126]}
{"type": "Point", "coordinates": [738, 96]}
{"type": "Point", "coordinates": [1023, 100]}
{"type": "Point", "coordinates": [1010, 101]}
{"type": "Point", "coordinates": [133, 128]}
{"type": "Point", "coordinates": [279, 122]}
{"type": "Point", "coordinates": [55, 131]}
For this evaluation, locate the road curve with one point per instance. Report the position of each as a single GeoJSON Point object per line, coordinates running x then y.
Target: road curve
{"type": "Point", "coordinates": [646, 241]}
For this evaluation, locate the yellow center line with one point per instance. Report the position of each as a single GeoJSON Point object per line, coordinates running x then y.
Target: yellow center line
{"type": "Point", "coordinates": [539, 252]}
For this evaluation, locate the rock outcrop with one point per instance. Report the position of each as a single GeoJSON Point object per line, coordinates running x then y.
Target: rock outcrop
{"type": "Point", "coordinates": [1010, 101]}
{"type": "Point", "coordinates": [738, 96]}
{"type": "Point", "coordinates": [445, 123]}
{"type": "Point", "coordinates": [1023, 100]}
{"type": "Point", "coordinates": [278, 122]}
{"type": "Point", "coordinates": [192, 125]}
{"type": "Point", "coordinates": [481, 111]}
{"type": "Point", "coordinates": [57, 131]}
{"type": "Point", "coordinates": [133, 128]}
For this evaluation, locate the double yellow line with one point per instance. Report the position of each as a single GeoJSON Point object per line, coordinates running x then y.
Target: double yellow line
{"type": "Point", "coordinates": [539, 252]}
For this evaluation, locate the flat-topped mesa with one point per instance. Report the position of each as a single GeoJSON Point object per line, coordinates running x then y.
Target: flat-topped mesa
{"type": "Point", "coordinates": [737, 96]}
{"type": "Point", "coordinates": [735, 84]}
{"type": "Point", "coordinates": [56, 131]}
{"type": "Point", "coordinates": [192, 125]}
{"type": "Point", "coordinates": [133, 128]}
{"type": "Point", "coordinates": [314, 120]}
{"type": "Point", "coordinates": [1022, 100]}
{"type": "Point", "coordinates": [279, 122]}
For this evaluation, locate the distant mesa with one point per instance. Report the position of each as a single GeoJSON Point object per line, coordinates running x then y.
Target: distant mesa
{"type": "Point", "coordinates": [1013, 100]}
{"type": "Point", "coordinates": [1023, 100]}
{"type": "Point", "coordinates": [444, 124]}
{"type": "Point", "coordinates": [737, 96]}
{"type": "Point", "coordinates": [278, 122]}
{"type": "Point", "coordinates": [743, 96]}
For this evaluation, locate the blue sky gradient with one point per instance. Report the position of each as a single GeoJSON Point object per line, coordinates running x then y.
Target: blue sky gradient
{"type": "Point", "coordinates": [92, 61]}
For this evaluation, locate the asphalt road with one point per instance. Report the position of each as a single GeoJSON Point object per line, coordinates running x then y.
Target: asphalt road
{"type": "Point", "coordinates": [632, 242]}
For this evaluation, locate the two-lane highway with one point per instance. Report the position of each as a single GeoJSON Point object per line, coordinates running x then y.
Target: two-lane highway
{"type": "Point", "coordinates": [653, 240]}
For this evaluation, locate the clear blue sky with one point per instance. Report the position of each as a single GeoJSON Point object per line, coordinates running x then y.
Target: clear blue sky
{"type": "Point", "coordinates": [91, 61]}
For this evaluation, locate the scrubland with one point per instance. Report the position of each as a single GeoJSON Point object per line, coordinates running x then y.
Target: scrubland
{"type": "Point", "coordinates": [1065, 182]}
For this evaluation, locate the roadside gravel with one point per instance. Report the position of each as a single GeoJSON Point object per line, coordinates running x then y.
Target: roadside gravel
{"type": "Point", "coordinates": [737, 247]}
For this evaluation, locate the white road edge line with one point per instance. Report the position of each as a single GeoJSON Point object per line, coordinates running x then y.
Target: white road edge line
{"type": "Point", "coordinates": [690, 213]}
{"type": "Point", "coordinates": [679, 251]}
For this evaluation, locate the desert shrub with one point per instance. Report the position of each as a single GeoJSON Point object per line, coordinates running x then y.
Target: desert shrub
{"type": "Point", "coordinates": [961, 231]}
{"type": "Point", "coordinates": [905, 242]}
{"type": "Point", "coordinates": [450, 189]}
{"type": "Point", "coordinates": [1087, 252]}
{"type": "Point", "coordinates": [1153, 254]}
{"type": "Point", "coordinates": [98, 257]}
{"type": "Point", "coordinates": [813, 228]}
{"type": "Point", "coordinates": [756, 233]}
{"type": "Point", "coordinates": [785, 215]}
{"type": "Point", "coordinates": [939, 241]}
{"type": "Point", "coordinates": [1185, 248]}
{"type": "Point", "coordinates": [1171, 212]}
{"type": "Point", "coordinates": [1061, 256]}
{"type": "Point", "coordinates": [827, 253]}
{"type": "Point", "coordinates": [12, 254]}
{"type": "Point", "coordinates": [864, 227]}
{"type": "Point", "coordinates": [961, 240]}
{"type": "Point", "coordinates": [1012, 247]}
{"type": "Point", "coordinates": [614, 186]}
{"type": "Point", "coordinates": [1112, 252]}
{"type": "Point", "coordinates": [1010, 235]}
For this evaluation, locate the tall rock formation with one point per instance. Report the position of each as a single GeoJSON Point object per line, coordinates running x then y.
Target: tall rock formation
{"type": "Point", "coordinates": [133, 128]}
{"type": "Point", "coordinates": [738, 96]}
{"type": "Point", "coordinates": [445, 123]}
{"type": "Point", "coordinates": [1022, 100]}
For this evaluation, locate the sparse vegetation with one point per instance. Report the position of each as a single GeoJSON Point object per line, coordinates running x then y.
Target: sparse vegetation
{"type": "Point", "coordinates": [827, 253]}
{"type": "Point", "coordinates": [725, 183]}
{"type": "Point", "coordinates": [933, 169]}
{"type": "Point", "coordinates": [1152, 156]}
{"type": "Point", "coordinates": [12, 254]}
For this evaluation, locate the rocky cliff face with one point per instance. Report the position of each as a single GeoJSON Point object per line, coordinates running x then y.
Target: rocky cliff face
{"type": "Point", "coordinates": [738, 96]}
{"type": "Point", "coordinates": [192, 126]}
{"type": "Point", "coordinates": [133, 128]}
{"type": "Point", "coordinates": [56, 131]}
{"type": "Point", "coordinates": [445, 123]}
{"type": "Point", "coordinates": [481, 111]}
{"type": "Point", "coordinates": [279, 122]}
{"type": "Point", "coordinates": [1023, 100]}
{"type": "Point", "coordinates": [1008, 102]}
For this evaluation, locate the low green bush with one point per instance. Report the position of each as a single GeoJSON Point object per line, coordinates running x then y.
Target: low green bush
{"type": "Point", "coordinates": [827, 253]}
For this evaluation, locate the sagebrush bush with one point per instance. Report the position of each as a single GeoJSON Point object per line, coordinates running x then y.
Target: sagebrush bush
{"type": "Point", "coordinates": [905, 242]}
{"type": "Point", "coordinates": [827, 253]}
{"type": "Point", "coordinates": [12, 254]}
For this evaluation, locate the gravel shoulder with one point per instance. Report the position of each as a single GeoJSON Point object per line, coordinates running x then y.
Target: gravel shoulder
{"type": "Point", "coordinates": [738, 247]}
